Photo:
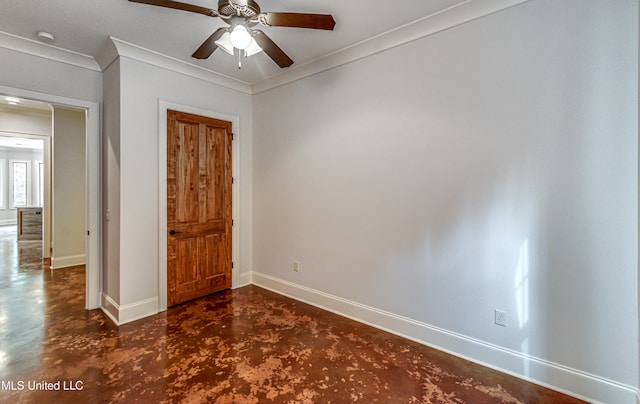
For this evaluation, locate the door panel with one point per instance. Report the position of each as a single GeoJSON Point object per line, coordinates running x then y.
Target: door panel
{"type": "Point", "coordinates": [198, 206]}
{"type": "Point", "coordinates": [187, 175]}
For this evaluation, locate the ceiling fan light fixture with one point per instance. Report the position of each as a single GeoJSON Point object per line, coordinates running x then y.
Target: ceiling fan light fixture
{"type": "Point", "coordinates": [242, 16]}
{"type": "Point", "coordinates": [253, 48]}
{"type": "Point", "coordinates": [240, 37]}
{"type": "Point", "coordinates": [225, 44]}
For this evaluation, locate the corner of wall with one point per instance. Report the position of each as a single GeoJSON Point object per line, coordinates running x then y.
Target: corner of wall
{"type": "Point", "coordinates": [126, 313]}
{"type": "Point", "coordinates": [242, 279]}
{"type": "Point", "coordinates": [107, 54]}
{"type": "Point", "coordinates": [110, 308]}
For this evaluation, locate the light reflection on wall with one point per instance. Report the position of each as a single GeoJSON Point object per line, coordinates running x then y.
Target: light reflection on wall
{"type": "Point", "coordinates": [522, 298]}
{"type": "Point", "coordinates": [522, 285]}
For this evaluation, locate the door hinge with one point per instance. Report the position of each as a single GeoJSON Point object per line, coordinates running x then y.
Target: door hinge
{"type": "Point", "coordinates": [231, 222]}
{"type": "Point", "coordinates": [233, 180]}
{"type": "Point", "coordinates": [88, 233]}
{"type": "Point", "coordinates": [231, 264]}
{"type": "Point", "coordinates": [232, 136]}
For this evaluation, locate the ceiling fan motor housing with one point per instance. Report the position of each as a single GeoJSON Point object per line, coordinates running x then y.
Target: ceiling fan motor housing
{"type": "Point", "coordinates": [247, 8]}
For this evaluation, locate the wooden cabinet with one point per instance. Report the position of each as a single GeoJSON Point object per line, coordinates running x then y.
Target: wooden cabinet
{"type": "Point", "coordinates": [29, 224]}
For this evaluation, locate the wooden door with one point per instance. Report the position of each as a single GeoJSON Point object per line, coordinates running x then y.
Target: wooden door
{"type": "Point", "coordinates": [198, 206]}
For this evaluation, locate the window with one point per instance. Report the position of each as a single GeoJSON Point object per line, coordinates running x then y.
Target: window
{"type": "Point", "coordinates": [19, 182]}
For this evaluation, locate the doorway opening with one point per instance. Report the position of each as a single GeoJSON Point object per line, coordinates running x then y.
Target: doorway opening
{"type": "Point", "coordinates": [89, 200]}
{"type": "Point", "coordinates": [25, 133]}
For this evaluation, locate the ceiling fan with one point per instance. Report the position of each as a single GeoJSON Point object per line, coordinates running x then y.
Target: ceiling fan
{"type": "Point", "coordinates": [242, 16]}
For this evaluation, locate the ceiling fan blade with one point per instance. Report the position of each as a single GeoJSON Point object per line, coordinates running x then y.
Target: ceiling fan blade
{"type": "Point", "coordinates": [209, 45]}
{"type": "Point", "coordinates": [270, 48]}
{"type": "Point", "coordinates": [179, 6]}
{"type": "Point", "coordinates": [298, 20]}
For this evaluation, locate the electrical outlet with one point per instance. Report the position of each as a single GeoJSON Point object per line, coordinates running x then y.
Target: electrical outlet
{"type": "Point", "coordinates": [500, 318]}
{"type": "Point", "coordinates": [296, 266]}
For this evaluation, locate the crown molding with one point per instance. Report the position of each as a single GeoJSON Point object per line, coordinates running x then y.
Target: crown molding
{"type": "Point", "coordinates": [463, 12]}
{"type": "Point", "coordinates": [115, 48]}
{"type": "Point", "coordinates": [107, 54]}
{"type": "Point", "coordinates": [46, 51]}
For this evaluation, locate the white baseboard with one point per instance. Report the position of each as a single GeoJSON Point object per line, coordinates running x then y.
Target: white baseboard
{"type": "Point", "coordinates": [554, 376]}
{"type": "Point", "coordinates": [240, 280]}
{"type": "Point", "coordinates": [68, 261]}
{"type": "Point", "coordinates": [110, 308]}
{"type": "Point", "coordinates": [121, 314]}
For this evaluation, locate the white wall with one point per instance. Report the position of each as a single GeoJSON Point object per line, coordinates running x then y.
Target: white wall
{"type": "Point", "coordinates": [132, 134]}
{"type": "Point", "coordinates": [68, 183]}
{"type": "Point", "coordinates": [492, 165]}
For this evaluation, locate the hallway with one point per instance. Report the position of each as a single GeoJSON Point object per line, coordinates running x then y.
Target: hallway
{"type": "Point", "coordinates": [248, 345]}
{"type": "Point", "coordinates": [32, 298]}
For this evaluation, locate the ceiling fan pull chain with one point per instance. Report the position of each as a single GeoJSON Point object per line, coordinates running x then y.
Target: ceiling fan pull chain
{"type": "Point", "coordinates": [240, 52]}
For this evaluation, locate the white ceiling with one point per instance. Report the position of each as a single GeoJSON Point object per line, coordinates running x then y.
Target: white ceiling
{"type": "Point", "coordinates": [83, 26]}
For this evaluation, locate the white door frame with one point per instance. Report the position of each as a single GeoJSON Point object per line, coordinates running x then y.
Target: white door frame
{"type": "Point", "coordinates": [93, 185]}
{"type": "Point", "coordinates": [163, 106]}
